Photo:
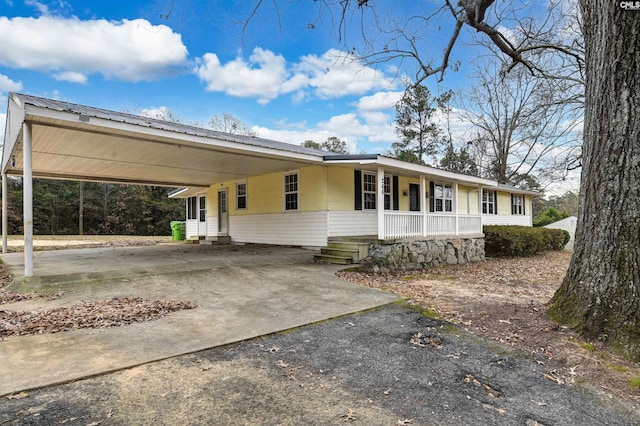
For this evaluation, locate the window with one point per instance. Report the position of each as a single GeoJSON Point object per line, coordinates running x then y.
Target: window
{"type": "Point", "coordinates": [517, 204]}
{"type": "Point", "coordinates": [291, 191]}
{"type": "Point", "coordinates": [241, 196]}
{"type": "Point", "coordinates": [442, 197]}
{"type": "Point", "coordinates": [369, 191]}
{"type": "Point", "coordinates": [387, 193]}
{"type": "Point", "coordinates": [192, 203]}
{"type": "Point", "coordinates": [203, 209]}
{"type": "Point", "coordinates": [489, 202]}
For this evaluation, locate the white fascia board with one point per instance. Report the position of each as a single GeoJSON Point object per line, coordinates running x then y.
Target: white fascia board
{"type": "Point", "coordinates": [432, 171]}
{"type": "Point", "coordinates": [188, 192]}
{"type": "Point", "coordinates": [33, 112]}
{"type": "Point", "coordinates": [13, 127]}
{"type": "Point", "coordinates": [514, 190]}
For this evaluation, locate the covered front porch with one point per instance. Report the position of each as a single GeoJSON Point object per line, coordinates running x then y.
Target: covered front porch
{"type": "Point", "coordinates": [419, 205]}
{"type": "Point", "coordinates": [429, 225]}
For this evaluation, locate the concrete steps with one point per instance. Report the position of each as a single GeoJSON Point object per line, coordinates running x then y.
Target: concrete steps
{"type": "Point", "coordinates": [342, 252]}
{"type": "Point", "coordinates": [208, 241]}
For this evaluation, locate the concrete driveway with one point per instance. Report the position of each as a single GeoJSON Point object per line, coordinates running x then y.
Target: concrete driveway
{"type": "Point", "coordinates": [243, 292]}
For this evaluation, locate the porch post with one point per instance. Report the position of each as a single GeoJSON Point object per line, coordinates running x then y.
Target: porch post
{"type": "Point", "coordinates": [480, 205]}
{"type": "Point", "coordinates": [5, 221]}
{"type": "Point", "coordinates": [456, 206]}
{"type": "Point", "coordinates": [423, 203]}
{"type": "Point", "coordinates": [27, 182]}
{"type": "Point", "coordinates": [380, 203]}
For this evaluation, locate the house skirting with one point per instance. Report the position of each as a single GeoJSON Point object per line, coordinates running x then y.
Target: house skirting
{"type": "Point", "coordinates": [421, 254]}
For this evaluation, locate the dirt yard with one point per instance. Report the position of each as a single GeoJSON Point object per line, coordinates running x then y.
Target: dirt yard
{"type": "Point", "coordinates": [505, 300]}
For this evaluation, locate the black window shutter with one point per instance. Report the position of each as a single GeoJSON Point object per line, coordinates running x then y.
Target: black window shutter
{"type": "Point", "coordinates": [357, 189]}
{"type": "Point", "coordinates": [431, 202]}
{"type": "Point", "coordinates": [524, 203]}
{"type": "Point", "coordinates": [396, 199]}
{"type": "Point", "coordinates": [513, 205]}
{"type": "Point", "coordinates": [495, 202]}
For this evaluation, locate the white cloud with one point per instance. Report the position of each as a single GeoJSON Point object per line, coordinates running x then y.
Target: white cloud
{"type": "Point", "coordinates": [380, 100]}
{"type": "Point", "coordinates": [127, 50]}
{"type": "Point", "coordinates": [3, 121]}
{"type": "Point", "coordinates": [240, 78]}
{"type": "Point", "coordinates": [158, 113]}
{"type": "Point", "coordinates": [337, 73]}
{"type": "Point", "coordinates": [40, 7]}
{"type": "Point", "coordinates": [8, 85]}
{"type": "Point", "coordinates": [266, 76]}
{"type": "Point", "coordinates": [71, 76]}
{"type": "Point", "coordinates": [365, 129]}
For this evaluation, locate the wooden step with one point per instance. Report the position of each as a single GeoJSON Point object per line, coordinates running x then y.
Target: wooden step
{"type": "Point", "coordinates": [361, 249]}
{"type": "Point", "coordinates": [353, 254]}
{"type": "Point", "coordinates": [338, 260]}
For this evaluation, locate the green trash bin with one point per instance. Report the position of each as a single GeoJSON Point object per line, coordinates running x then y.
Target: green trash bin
{"type": "Point", "coordinates": [177, 230]}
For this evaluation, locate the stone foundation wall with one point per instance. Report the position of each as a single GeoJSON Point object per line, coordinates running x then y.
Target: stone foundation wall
{"type": "Point", "coordinates": [410, 255]}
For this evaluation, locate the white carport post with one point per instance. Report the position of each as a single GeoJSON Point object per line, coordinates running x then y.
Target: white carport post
{"type": "Point", "coordinates": [380, 203]}
{"type": "Point", "coordinates": [27, 189]}
{"type": "Point", "coordinates": [5, 221]}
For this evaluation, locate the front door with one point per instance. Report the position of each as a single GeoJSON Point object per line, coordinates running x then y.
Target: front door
{"type": "Point", "coordinates": [202, 215]}
{"type": "Point", "coordinates": [414, 197]}
{"type": "Point", "coordinates": [223, 216]}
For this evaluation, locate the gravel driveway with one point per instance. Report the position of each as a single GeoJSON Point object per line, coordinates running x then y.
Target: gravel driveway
{"type": "Point", "coordinates": [388, 366]}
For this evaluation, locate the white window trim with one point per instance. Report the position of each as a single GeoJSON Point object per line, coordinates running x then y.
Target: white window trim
{"type": "Point", "coordinates": [517, 204]}
{"type": "Point", "coordinates": [390, 193]}
{"type": "Point", "coordinates": [487, 201]}
{"type": "Point", "coordinates": [246, 195]}
{"type": "Point", "coordinates": [297, 191]}
{"type": "Point", "coordinates": [444, 198]}
{"type": "Point", "coordinates": [192, 209]}
{"type": "Point", "coordinates": [374, 192]}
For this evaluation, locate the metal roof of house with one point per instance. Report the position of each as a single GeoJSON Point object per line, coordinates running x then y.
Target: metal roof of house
{"type": "Point", "coordinates": [71, 141]}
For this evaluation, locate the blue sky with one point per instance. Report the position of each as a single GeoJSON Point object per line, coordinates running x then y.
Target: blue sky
{"type": "Point", "coordinates": [282, 78]}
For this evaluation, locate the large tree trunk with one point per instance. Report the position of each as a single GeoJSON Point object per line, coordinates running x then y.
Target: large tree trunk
{"type": "Point", "coordinates": [600, 295]}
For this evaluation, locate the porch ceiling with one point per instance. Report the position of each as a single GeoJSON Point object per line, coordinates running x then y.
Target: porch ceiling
{"type": "Point", "coordinates": [73, 145]}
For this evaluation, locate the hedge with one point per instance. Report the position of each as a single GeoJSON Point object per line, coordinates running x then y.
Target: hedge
{"type": "Point", "coordinates": [512, 240]}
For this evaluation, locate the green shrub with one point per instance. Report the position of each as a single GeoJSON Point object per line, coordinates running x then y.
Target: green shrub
{"type": "Point", "coordinates": [512, 240]}
{"type": "Point", "coordinates": [549, 215]}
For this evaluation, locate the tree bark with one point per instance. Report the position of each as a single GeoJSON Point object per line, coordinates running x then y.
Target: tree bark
{"type": "Point", "coordinates": [600, 295]}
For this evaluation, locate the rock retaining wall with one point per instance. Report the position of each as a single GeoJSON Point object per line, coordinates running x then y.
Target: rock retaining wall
{"type": "Point", "coordinates": [409, 255]}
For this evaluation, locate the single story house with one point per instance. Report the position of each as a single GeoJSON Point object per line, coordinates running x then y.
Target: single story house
{"type": "Point", "coordinates": [248, 189]}
{"type": "Point", "coordinates": [351, 196]}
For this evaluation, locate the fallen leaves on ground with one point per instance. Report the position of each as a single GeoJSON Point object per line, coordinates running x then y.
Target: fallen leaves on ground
{"type": "Point", "coordinates": [505, 300]}
{"type": "Point", "coordinates": [115, 312]}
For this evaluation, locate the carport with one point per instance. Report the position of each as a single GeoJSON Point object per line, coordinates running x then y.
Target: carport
{"type": "Point", "coordinates": [46, 138]}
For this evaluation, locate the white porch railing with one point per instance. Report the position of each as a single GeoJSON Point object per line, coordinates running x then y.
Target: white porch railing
{"type": "Point", "coordinates": [416, 225]}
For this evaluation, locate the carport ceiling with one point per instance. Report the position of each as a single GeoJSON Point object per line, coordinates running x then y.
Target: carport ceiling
{"type": "Point", "coordinates": [76, 142]}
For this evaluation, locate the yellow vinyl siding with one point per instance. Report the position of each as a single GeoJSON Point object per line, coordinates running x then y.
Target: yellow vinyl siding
{"type": "Point", "coordinates": [212, 201]}
{"type": "Point", "coordinates": [340, 188]}
{"type": "Point", "coordinates": [504, 203]}
{"type": "Point", "coordinates": [467, 199]}
{"type": "Point", "coordinates": [312, 188]}
{"type": "Point", "coordinates": [403, 185]}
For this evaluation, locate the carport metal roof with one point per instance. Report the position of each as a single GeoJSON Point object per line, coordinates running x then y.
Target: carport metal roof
{"type": "Point", "coordinates": [46, 138]}
{"type": "Point", "coordinates": [77, 142]}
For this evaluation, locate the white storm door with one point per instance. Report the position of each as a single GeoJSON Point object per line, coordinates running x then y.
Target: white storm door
{"type": "Point", "coordinates": [202, 215]}
{"type": "Point", "coordinates": [223, 215]}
